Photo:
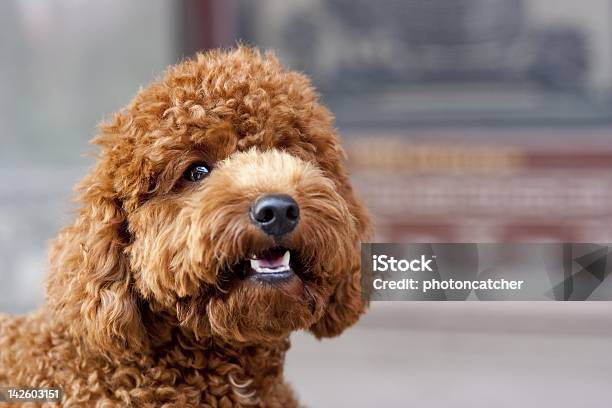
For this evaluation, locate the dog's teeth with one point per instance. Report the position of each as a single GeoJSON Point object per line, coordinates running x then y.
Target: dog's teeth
{"type": "Point", "coordinates": [286, 259]}
{"type": "Point", "coordinates": [283, 266]}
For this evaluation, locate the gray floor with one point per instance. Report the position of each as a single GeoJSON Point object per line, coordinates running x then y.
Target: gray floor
{"type": "Point", "coordinates": [461, 355]}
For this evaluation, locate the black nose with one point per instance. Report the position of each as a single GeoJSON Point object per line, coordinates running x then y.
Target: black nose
{"type": "Point", "coordinates": [275, 214]}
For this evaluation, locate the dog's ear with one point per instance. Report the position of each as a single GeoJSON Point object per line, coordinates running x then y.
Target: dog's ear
{"type": "Point", "coordinates": [343, 308]}
{"type": "Point", "coordinates": [346, 303]}
{"type": "Point", "coordinates": [89, 287]}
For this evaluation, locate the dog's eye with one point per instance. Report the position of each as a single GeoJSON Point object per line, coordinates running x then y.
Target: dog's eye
{"type": "Point", "coordinates": [196, 172]}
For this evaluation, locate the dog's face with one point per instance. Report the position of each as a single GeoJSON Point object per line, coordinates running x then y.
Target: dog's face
{"type": "Point", "coordinates": [226, 205]}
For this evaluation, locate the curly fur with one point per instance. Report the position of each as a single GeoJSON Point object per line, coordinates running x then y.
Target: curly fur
{"type": "Point", "coordinates": [143, 306]}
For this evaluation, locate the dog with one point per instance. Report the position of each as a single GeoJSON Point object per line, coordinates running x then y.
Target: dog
{"type": "Point", "coordinates": [218, 219]}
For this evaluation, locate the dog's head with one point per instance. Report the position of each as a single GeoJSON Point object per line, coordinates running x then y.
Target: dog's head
{"type": "Point", "coordinates": [219, 204]}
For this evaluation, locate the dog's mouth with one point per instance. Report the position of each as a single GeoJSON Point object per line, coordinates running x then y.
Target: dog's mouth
{"type": "Point", "coordinates": [273, 265]}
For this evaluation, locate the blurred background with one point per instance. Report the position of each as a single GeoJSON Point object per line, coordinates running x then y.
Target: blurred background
{"type": "Point", "coordinates": [464, 121]}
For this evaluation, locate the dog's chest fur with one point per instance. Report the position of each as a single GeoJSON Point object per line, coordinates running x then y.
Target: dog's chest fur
{"type": "Point", "coordinates": [184, 373]}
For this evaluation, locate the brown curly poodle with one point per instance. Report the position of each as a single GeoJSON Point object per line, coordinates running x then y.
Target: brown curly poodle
{"type": "Point", "coordinates": [218, 219]}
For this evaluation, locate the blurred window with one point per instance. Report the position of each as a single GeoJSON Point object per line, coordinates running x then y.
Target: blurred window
{"type": "Point", "coordinates": [392, 63]}
{"type": "Point", "coordinates": [64, 66]}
